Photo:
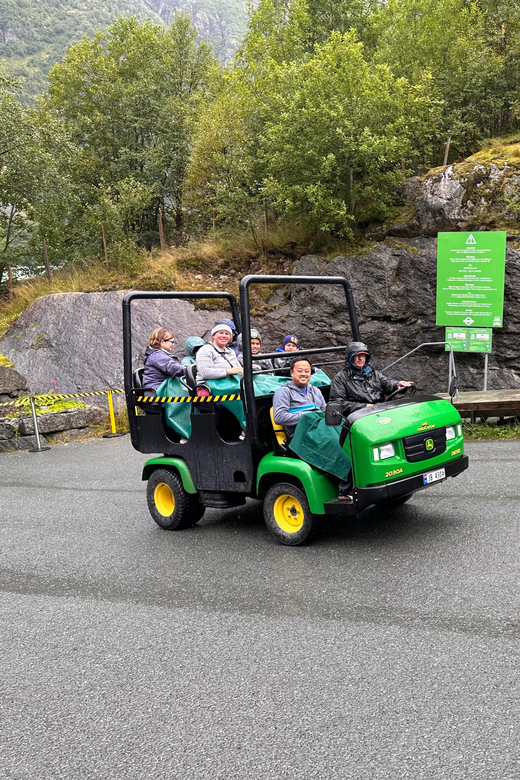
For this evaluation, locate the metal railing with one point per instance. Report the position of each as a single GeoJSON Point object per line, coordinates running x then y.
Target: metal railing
{"type": "Point", "coordinates": [451, 359]}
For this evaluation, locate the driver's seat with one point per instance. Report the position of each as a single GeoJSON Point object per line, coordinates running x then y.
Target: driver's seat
{"type": "Point", "coordinates": [279, 432]}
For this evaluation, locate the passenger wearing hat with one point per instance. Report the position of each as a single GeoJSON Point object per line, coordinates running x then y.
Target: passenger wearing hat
{"type": "Point", "coordinates": [256, 346]}
{"type": "Point", "coordinates": [359, 385]}
{"type": "Point", "coordinates": [290, 344]}
{"type": "Point", "coordinates": [233, 343]}
{"type": "Point", "coordinates": [216, 359]}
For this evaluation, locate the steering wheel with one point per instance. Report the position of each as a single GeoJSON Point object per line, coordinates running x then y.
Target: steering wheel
{"type": "Point", "coordinates": [402, 390]}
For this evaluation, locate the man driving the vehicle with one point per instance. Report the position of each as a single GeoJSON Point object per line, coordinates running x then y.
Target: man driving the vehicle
{"type": "Point", "coordinates": [358, 385]}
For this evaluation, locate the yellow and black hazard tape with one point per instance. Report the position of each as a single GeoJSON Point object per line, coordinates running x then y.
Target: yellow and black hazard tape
{"type": "Point", "coordinates": [24, 400]}
{"type": "Point", "coordinates": [179, 399]}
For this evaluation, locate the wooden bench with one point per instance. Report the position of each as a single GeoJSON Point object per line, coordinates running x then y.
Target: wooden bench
{"type": "Point", "coordinates": [487, 403]}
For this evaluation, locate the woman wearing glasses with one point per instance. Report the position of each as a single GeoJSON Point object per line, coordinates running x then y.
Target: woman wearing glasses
{"type": "Point", "coordinates": [159, 363]}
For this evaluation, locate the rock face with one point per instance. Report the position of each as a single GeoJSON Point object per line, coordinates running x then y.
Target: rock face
{"type": "Point", "coordinates": [62, 421]}
{"type": "Point", "coordinates": [394, 291]}
{"type": "Point", "coordinates": [12, 384]}
{"type": "Point", "coordinates": [76, 338]}
{"type": "Point", "coordinates": [478, 194]}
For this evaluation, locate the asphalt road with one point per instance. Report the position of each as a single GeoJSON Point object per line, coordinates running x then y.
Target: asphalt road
{"type": "Point", "coordinates": [386, 650]}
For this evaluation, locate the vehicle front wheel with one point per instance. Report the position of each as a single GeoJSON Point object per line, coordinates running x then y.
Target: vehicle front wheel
{"type": "Point", "coordinates": [287, 514]}
{"type": "Point", "coordinates": [395, 503]}
{"type": "Point", "coordinates": [170, 505]}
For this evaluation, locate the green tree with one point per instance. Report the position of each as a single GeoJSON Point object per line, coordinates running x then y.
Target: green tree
{"type": "Point", "coordinates": [337, 133]}
{"type": "Point", "coordinates": [449, 40]}
{"type": "Point", "coordinates": [24, 173]}
{"type": "Point", "coordinates": [127, 100]}
{"type": "Point", "coordinates": [221, 182]}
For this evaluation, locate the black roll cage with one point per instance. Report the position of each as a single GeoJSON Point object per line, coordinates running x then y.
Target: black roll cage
{"type": "Point", "coordinates": [127, 322]}
{"type": "Point", "coordinates": [244, 326]}
{"type": "Point", "coordinates": [245, 283]}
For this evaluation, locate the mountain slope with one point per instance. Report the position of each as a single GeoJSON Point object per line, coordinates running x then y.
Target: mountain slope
{"type": "Point", "coordinates": [35, 35]}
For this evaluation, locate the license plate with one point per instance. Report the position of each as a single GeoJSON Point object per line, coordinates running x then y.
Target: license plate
{"type": "Point", "coordinates": [434, 476]}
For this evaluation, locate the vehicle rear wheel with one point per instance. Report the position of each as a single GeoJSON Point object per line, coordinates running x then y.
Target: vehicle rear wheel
{"type": "Point", "coordinates": [170, 505]}
{"type": "Point", "coordinates": [287, 514]}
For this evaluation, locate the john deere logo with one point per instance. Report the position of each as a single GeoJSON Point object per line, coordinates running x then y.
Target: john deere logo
{"type": "Point", "coordinates": [429, 443]}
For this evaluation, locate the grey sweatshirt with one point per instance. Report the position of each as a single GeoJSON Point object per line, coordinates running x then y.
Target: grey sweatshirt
{"type": "Point", "coordinates": [290, 402]}
{"type": "Point", "coordinates": [213, 363]}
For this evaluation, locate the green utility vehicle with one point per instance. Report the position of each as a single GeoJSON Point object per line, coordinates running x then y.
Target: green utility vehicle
{"type": "Point", "coordinates": [209, 455]}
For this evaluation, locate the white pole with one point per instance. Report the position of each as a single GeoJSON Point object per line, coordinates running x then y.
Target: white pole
{"type": "Point", "coordinates": [39, 447]}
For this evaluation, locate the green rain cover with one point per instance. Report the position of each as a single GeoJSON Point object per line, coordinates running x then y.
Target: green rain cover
{"type": "Point", "coordinates": [318, 444]}
{"type": "Point", "coordinates": [178, 413]}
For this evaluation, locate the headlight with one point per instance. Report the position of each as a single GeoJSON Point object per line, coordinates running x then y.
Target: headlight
{"type": "Point", "coordinates": [450, 433]}
{"type": "Point", "coordinates": [384, 451]}
{"type": "Point", "coordinates": [459, 429]}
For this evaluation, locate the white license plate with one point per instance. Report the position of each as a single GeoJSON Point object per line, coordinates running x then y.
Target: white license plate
{"type": "Point", "coordinates": [434, 476]}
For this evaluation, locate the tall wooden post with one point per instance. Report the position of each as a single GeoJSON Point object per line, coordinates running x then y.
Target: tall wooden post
{"type": "Point", "coordinates": [105, 243]}
{"type": "Point", "coordinates": [161, 232]}
{"type": "Point", "coordinates": [46, 258]}
{"type": "Point", "coordinates": [447, 150]}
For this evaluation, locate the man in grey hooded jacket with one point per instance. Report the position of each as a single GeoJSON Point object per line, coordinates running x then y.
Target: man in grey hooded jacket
{"type": "Point", "coordinates": [297, 396]}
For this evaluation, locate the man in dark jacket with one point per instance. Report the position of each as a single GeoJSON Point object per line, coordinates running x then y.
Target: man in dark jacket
{"type": "Point", "coordinates": [359, 385]}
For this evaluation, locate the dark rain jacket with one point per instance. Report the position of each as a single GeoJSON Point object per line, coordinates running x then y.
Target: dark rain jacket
{"type": "Point", "coordinates": [357, 388]}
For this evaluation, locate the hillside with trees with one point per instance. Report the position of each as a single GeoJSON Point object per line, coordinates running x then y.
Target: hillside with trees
{"type": "Point", "coordinates": [35, 35]}
{"type": "Point", "coordinates": [304, 140]}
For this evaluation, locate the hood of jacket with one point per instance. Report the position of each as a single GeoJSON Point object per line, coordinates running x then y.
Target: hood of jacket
{"type": "Point", "coordinates": [354, 348]}
{"type": "Point", "coordinates": [192, 343]}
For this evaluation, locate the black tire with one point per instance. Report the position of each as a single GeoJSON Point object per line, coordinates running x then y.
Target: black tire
{"type": "Point", "coordinates": [395, 503]}
{"type": "Point", "coordinates": [287, 514]}
{"type": "Point", "coordinates": [170, 505]}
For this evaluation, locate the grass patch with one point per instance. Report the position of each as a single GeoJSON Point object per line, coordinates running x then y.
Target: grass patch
{"type": "Point", "coordinates": [121, 423]}
{"type": "Point", "coordinates": [216, 262]}
{"type": "Point", "coordinates": [492, 430]}
{"type": "Point", "coordinates": [4, 361]}
{"type": "Point", "coordinates": [43, 406]}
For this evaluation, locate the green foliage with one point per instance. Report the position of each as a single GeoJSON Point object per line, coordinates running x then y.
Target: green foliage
{"type": "Point", "coordinates": [336, 135]}
{"type": "Point", "coordinates": [25, 171]}
{"type": "Point", "coordinates": [37, 34]}
{"type": "Point", "coordinates": [220, 179]}
{"type": "Point", "coordinates": [4, 361]}
{"type": "Point", "coordinates": [125, 103]}
{"type": "Point", "coordinates": [492, 430]}
{"type": "Point", "coordinates": [446, 39]}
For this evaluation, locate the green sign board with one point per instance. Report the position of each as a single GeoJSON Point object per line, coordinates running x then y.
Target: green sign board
{"type": "Point", "coordinates": [469, 339]}
{"type": "Point", "coordinates": [458, 338]}
{"type": "Point", "coordinates": [470, 279]}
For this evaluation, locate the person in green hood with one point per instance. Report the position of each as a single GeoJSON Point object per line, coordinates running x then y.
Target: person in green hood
{"type": "Point", "coordinates": [192, 346]}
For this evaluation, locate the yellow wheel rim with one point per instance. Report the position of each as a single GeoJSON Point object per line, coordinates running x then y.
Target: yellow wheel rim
{"type": "Point", "coordinates": [288, 513]}
{"type": "Point", "coordinates": [164, 499]}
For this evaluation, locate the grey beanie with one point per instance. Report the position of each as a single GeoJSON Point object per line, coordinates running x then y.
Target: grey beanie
{"type": "Point", "coordinates": [221, 326]}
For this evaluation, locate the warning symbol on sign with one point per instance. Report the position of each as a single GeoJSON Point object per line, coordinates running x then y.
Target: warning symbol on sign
{"type": "Point", "coordinates": [471, 240]}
